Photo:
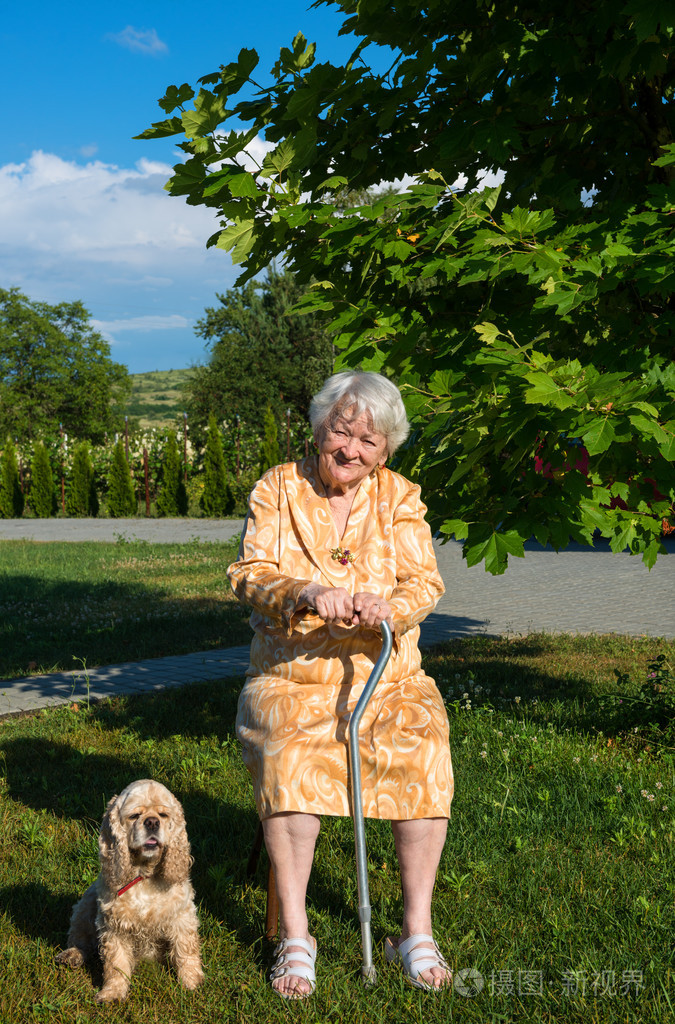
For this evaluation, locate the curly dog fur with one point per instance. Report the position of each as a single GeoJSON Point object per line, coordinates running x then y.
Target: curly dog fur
{"type": "Point", "coordinates": [142, 837]}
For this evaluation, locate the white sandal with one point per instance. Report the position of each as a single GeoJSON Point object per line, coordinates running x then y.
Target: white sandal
{"type": "Point", "coordinates": [414, 961]}
{"type": "Point", "coordinates": [303, 966]}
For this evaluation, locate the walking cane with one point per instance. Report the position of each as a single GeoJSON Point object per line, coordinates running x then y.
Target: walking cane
{"type": "Point", "coordinates": [272, 915]}
{"type": "Point", "coordinates": [368, 973]}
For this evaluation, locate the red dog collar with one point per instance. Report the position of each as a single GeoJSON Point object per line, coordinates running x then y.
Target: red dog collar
{"type": "Point", "coordinates": [124, 888]}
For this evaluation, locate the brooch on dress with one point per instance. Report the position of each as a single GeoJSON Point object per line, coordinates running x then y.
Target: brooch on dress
{"type": "Point", "coordinates": [344, 557]}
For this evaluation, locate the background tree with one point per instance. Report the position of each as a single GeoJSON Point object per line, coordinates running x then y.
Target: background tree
{"type": "Point", "coordinates": [516, 319]}
{"type": "Point", "coordinates": [121, 496]}
{"type": "Point", "coordinates": [216, 499]}
{"type": "Point", "coordinates": [43, 501]}
{"type": "Point", "coordinates": [269, 452]}
{"type": "Point", "coordinates": [54, 368]}
{"type": "Point", "coordinates": [11, 498]}
{"type": "Point", "coordinates": [260, 353]}
{"type": "Point", "coordinates": [172, 499]}
{"type": "Point", "coordinates": [81, 497]}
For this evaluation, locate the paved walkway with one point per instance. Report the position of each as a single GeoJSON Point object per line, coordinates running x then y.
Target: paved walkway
{"type": "Point", "coordinates": [579, 590]}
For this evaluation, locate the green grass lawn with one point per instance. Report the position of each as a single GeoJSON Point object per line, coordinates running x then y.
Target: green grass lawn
{"type": "Point", "coordinates": [65, 605]}
{"type": "Point", "coordinates": [556, 883]}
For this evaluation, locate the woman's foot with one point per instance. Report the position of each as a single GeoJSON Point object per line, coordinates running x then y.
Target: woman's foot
{"type": "Point", "coordinates": [422, 961]}
{"type": "Point", "coordinates": [292, 974]}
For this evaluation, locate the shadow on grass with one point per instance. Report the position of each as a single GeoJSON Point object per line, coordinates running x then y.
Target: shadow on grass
{"type": "Point", "coordinates": [569, 681]}
{"type": "Point", "coordinates": [36, 911]}
{"type": "Point", "coordinates": [58, 626]}
{"type": "Point", "coordinates": [51, 775]}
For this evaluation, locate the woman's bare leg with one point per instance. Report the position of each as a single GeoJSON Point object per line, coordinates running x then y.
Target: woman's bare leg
{"type": "Point", "coordinates": [290, 839]}
{"type": "Point", "coordinates": [419, 845]}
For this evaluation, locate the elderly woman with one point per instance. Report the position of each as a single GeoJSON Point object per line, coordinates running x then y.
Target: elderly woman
{"type": "Point", "coordinates": [334, 545]}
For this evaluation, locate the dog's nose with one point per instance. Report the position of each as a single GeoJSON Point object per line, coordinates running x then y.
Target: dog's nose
{"type": "Point", "coordinates": [151, 824]}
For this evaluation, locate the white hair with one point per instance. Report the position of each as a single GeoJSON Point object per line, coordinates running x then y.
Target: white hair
{"type": "Point", "coordinates": [361, 392]}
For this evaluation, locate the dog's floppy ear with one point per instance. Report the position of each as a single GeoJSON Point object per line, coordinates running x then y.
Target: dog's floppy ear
{"type": "Point", "coordinates": [176, 862]}
{"type": "Point", "coordinates": [113, 849]}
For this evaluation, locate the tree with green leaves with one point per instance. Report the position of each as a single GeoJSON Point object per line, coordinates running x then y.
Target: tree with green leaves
{"type": "Point", "coordinates": [260, 352]}
{"type": "Point", "coordinates": [121, 495]}
{"type": "Point", "coordinates": [519, 319]}
{"type": "Point", "coordinates": [216, 499]}
{"type": "Point", "coordinates": [269, 452]}
{"type": "Point", "coordinates": [43, 501]}
{"type": "Point", "coordinates": [172, 499]}
{"type": "Point", "coordinates": [11, 497]}
{"type": "Point", "coordinates": [56, 369]}
{"type": "Point", "coordinates": [81, 497]}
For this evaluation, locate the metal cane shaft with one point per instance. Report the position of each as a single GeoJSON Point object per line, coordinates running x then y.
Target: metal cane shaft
{"type": "Point", "coordinates": [367, 969]}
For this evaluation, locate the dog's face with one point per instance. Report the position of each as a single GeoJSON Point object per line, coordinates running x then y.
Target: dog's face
{"type": "Point", "coordinates": [149, 815]}
{"type": "Point", "coordinates": [144, 827]}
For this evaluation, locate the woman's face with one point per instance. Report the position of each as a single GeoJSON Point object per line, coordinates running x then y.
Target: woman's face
{"type": "Point", "coordinates": [349, 449]}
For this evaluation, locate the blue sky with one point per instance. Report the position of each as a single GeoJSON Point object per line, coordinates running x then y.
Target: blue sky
{"type": "Point", "coordinates": [83, 213]}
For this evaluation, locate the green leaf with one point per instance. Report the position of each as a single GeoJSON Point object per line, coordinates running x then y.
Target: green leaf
{"type": "Point", "coordinates": [491, 196]}
{"type": "Point", "coordinates": [209, 111]}
{"type": "Point", "coordinates": [651, 410]}
{"type": "Point", "coordinates": [667, 448]}
{"type": "Point", "coordinates": [668, 158]}
{"type": "Point", "coordinates": [618, 249]}
{"type": "Point", "coordinates": [455, 527]}
{"type": "Point", "coordinates": [599, 436]}
{"type": "Point", "coordinates": [243, 185]}
{"type": "Point", "coordinates": [187, 180]}
{"type": "Point", "coordinates": [176, 97]}
{"type": "Point", "coordinates": [543, 390]}
{"type": "Point", "coordinates": [162, 129]}
{"type": "Point", "coordinates": [233, 75]}
{"type": "Point", "coordinates": [624, 536]}
{"type": "Point", "coordinates": [238, 238]}
{"type": "Point", "coordinates": [303, 104]}
{"type": "Point", "coordinates": [288, 152]}
{"type": "Point", "coordinates": [488, 333]}
{"type": "Point", "coordinates": [648, 428]}
{"type": "Point", "coordinates": [495, 549]}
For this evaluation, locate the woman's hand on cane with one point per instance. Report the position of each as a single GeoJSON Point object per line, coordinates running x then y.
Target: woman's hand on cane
{"type": "Point", "coordinates": [335, 604]}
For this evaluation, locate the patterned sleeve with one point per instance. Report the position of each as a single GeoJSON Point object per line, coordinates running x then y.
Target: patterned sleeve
{"type": "Point", "coordinates": [419, 585]}
{"type": "Point", "coordinates": [255, 576]}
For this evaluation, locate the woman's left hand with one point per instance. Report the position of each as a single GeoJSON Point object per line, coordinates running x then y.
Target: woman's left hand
{"type": "Point", "coordinates": [371, 611]}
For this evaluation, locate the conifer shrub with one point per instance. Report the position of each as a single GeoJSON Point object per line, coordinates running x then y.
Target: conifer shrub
{"type": "Point", "coordinates": [43, 501]}
{"type": "Point", "coordinates": [270, 454]}
{"type": "Point", "coordinates": [81, 499]}
{"type": "Point", "coordinates": [121, 496]}
{"type": "Point", "coordinates": [172, 499]}
{"type": "Point", "coordinates": [217, 498]}
{"type": "Point", "coordinates": [11, 498]}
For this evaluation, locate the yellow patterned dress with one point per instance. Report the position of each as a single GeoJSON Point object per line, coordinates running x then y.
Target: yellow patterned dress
{"type": "Point", "coordinates": [305, 675]}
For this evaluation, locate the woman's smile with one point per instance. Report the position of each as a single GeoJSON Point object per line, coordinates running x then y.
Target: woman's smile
{"type": "Point", "coordinates": [349, 450]}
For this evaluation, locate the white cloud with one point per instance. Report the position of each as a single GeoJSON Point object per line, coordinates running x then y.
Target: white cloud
{"type": "Point", "coordinates": [110, 328]}
{"type": "Point", "coordinates": [255, 153]}
{"type": "Point", "coordinates": [139, 40]}
{"type": "Point", "coordinates": [54, 208]}
{"type": "Point", "coordinates": [113, 238]}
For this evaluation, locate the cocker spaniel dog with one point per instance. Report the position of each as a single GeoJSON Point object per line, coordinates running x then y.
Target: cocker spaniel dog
{"type": "Point", "coordinates": [141, 906]}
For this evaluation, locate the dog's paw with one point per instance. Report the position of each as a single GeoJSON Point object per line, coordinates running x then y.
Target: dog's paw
{"type": "Point", "coordinates": [191, 978]}
{"type": "Point", "coordinates": [71, 957]}
{"type": "Point", "coordinates": [110, 994]}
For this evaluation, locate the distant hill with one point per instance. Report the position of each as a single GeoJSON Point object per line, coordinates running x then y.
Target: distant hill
{"type": "Point", "coordinates": [156, 398]}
